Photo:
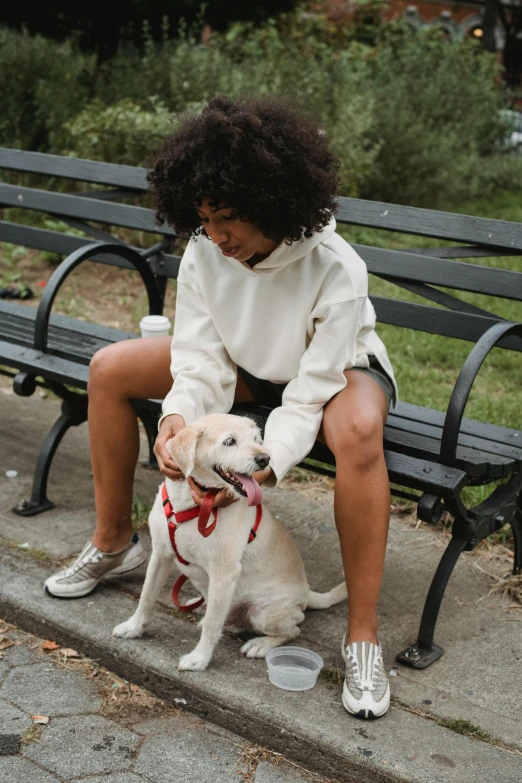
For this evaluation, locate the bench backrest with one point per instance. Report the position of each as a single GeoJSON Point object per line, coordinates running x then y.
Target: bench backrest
{"type": "Point", "coordinates": [422, 271]}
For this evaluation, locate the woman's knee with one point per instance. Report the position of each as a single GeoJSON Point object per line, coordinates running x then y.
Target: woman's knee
{"type": "Point", "coordinates": [133, 368]}
{"type": "Point", "coordinates": [359, 438]}
{"type": "Point", "coordinates": [107, 368]}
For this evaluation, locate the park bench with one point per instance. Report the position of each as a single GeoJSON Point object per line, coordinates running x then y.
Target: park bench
{"type": "Point", "coordinates": [431, 456]}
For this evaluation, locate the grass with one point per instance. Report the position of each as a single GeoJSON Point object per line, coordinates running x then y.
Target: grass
{"type": "Point", "coordinates": [466, 728]}
{"type": "Point", "coordinates": [140, 512]}
{"type": "Point", "coordinates": [35, 553]}
{"type": "Point", "coordinates": [459, 726]}
{"type": "Point", "coordinates": [32, 734]}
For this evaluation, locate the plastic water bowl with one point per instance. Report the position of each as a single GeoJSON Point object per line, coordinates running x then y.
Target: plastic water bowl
{"type": "Point", "coordinates": [293, 668]}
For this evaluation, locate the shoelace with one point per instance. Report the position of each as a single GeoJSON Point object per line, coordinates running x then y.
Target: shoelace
{"type": "Point", "coordinates": [83, 560]}
{"type": "Point", "coordinates": [365, 679]}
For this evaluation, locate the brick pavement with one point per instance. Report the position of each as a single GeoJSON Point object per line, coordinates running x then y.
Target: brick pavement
{"type": "Point", "coordinates": [102, 729]}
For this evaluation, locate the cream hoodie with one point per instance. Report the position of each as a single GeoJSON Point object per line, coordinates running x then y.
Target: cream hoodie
{"type": "Point", "coordinates": [302, 316]}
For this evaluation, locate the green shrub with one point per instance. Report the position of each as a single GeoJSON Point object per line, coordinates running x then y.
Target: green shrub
{"type": "Point", "coordinates": [438, 120]}
{"type": "Point", "coordinates": [42, 84]}
{"type": "Point", "coordinates": [416, 119]}
{"type": "Point", "coordinates": [125, 132]}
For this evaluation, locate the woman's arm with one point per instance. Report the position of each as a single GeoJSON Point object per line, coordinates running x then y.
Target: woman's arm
{"type": "Point", "coordinates": [204, 375]}
{"type": "Point", "coordinates": [291, 430]}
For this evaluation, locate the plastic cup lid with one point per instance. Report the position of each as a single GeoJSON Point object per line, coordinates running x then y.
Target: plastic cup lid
{"type": "Point", "coordinates": [155, 322]}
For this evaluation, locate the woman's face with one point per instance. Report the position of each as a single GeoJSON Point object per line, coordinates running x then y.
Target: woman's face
{"type": "Point", "coordinates": [235, 238]}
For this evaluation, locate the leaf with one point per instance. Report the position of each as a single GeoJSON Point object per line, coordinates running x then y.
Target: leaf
{"type": "Point", "coordinates": [47, 645]}
{"type": "Point", "coordinates": [5, 643]}
{"type": "Point", "coordinates": [41, 719]}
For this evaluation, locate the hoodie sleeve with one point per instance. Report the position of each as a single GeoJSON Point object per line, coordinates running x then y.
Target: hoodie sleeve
{"type": "Point", "coordinates": [291, 430]}
{"type": "Point", "coordinates": [204, 375]}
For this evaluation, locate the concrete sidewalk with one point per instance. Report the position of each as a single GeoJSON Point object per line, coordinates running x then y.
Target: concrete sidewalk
{"type": "Point", "coordinates": [478, 680]}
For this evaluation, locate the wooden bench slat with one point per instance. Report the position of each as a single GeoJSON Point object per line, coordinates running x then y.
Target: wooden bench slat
{"type": "Point", "coordinates": [417, 473]}
{"type": "Point", "coordinates": [162, 264]}
{"type": "Point", "coordinates": [392, 217]}
{"type": "Point", "coordinates": [51, 367]}
{"type": "Point", "coordinates": [475, 463]}
{"type": "Point", "coordinates": [484, 446]}
{"type": "Point", "coordinates": [125, 215]}
{"type": "Point", "coordinates": [440, 272]}
{"type": "Point", "coordinates": [464, 251]}
{"type": "Point", "coordinates": [426, 222]}
{"type": "Point", "coordinates": [495, 432]}
{"type": "Point", "coordinates": [73, 168]}
{"type": "Point", "coordinates": [64, 322]}
{"type": "Point", "coordinates": [424, 476]}
{"type": "Point", "coordinates": [434, 320]}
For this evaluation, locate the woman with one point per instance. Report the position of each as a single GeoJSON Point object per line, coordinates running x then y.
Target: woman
{"type": "Point", "coordinates": [266, 286]}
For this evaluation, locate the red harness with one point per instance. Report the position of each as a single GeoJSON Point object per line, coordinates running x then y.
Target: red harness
{"type": "Point", "coordinates": [202, 513]}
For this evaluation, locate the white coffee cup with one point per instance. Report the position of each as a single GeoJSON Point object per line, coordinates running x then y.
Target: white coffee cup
{"type": "Point", "coordinates": [155, 326]}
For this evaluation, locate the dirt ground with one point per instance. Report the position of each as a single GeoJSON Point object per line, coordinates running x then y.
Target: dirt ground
{"type": "Point", "coordinates": [94, 292]}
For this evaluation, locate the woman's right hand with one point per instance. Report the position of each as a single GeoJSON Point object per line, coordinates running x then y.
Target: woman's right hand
{"type": "Point", "coordinates": [170, 426]}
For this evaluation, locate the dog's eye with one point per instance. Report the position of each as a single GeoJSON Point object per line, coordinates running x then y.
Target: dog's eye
{"type": "Point", "coordinates": [229, 442]}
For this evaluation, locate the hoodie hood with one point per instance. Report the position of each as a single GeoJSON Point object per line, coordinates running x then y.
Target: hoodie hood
{"type": "Point", "coordinates": [285, 254]}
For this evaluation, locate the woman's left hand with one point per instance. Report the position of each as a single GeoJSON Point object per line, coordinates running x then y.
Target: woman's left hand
{"type": "Point", "coordinates": [222, 498]}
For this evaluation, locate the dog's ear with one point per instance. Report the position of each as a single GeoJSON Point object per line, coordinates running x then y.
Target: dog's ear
{"type": "Point", "coordinates": [182, 448]}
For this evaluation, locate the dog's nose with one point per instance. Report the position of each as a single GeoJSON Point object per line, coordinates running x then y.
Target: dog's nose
{"type": "Point", "coordinates": [262, 460]}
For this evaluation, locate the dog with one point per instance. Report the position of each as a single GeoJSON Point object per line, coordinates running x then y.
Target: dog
{"type": "Point", "coordinates": [259, 586]}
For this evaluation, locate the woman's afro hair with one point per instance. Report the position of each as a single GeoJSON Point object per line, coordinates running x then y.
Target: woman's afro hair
{"type": "Point", "coordinates": [260, 156]}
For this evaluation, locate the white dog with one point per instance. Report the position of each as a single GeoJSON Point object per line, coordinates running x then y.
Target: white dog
{"type": "Point", "coordinates": [244, 562]}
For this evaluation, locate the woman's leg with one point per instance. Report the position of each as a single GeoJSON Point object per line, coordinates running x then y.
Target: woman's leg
{"type": "Point", "coordinates": [352, 428]}
{"type": "Point", "coordinates": [132, 369]}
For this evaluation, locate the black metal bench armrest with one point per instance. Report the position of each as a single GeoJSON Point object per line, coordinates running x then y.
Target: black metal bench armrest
{"type": "Point", "coordinates": [73, 260]}
{"type": "Point", "coordinates": [464, 384]}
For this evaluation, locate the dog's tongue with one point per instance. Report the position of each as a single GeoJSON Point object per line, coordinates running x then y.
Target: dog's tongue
{"type": "Point", "coordinates": [251, 487]}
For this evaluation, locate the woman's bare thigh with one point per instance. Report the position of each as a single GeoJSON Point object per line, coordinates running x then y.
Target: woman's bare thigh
{"type": "Point", "coordinates": [361, 393]}
{"type": "Point", "coordinates": [140, 368]}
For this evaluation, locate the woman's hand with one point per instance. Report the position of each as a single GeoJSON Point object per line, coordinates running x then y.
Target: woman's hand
{"type": "Point", "coordinates": [170, 426]}
{"type": "Point", "coordinates": [222, 498]}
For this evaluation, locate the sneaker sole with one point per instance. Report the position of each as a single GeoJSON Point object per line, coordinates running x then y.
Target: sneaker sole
{"type": "Point", "coordinates": [66, 596]}
{"type": "Point", "coordinates": [365, 713]}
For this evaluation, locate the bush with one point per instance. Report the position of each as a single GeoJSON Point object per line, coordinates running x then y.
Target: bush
{"type": "Point", "coordinates": [416, 119]}
{"type": "Point", "coordinates": [42, 84]}
{"type": "Point", "coordinates": [438, 120]}
{"type": "Point", "coordinates": [125, 132]}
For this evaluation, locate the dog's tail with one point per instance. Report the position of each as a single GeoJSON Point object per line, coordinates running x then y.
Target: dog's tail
{"type": "Point", "coordinates": [324, 600]}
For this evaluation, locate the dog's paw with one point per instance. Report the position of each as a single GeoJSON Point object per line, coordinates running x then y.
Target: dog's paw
{"type": "Point", "coordinates": [194, 661]}
{"type": "Point", "coordinates": [258, 647]}
{"type": "Point", "coordinates": [128, 630]}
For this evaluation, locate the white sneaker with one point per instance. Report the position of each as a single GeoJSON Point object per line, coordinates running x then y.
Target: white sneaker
{"type": "Point", "coordinates": [91, 566]}
{"type": "Point", "coordinates": [366, 690]}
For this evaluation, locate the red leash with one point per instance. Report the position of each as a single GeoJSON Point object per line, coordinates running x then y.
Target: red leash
{"type": "Point", "coordinates": [203, 514]}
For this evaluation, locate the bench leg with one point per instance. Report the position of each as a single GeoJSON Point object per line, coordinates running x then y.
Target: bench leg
{"type": "Point", "coordinates": [516, 527]}
{"type": "Point", "coordinates": [425, 652]}
{"type": "Point", "coordinates": [150, 422]}
{"type": "Point", "coordinates": [74, 412]}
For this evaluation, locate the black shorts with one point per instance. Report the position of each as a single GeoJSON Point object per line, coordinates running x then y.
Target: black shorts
{"type": "Point", "coordinates": [271, 394]}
